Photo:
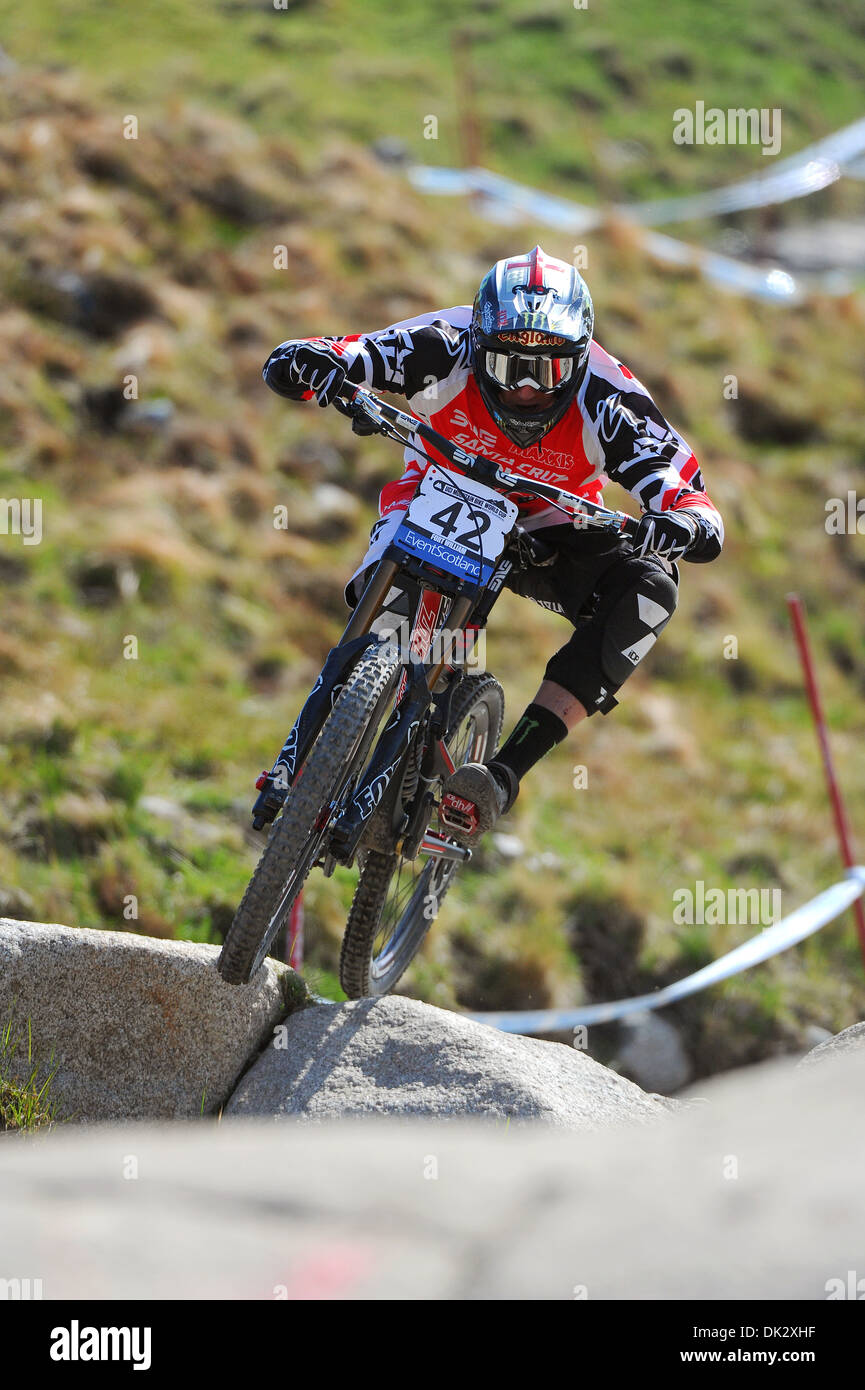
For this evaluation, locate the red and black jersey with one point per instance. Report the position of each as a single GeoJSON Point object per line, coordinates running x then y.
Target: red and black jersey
{"type": "Point", "coordinates": [613, 430]}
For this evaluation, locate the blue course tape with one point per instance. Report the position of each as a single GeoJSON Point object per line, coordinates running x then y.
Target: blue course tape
{"type": "Point", "coordinates": [806, 920]}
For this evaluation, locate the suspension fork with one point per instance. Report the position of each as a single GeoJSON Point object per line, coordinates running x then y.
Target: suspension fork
{"type": "Point", "coordinates": [467, 607]}
{"type": "Point", "coordinates": [371, 601]}
{"type": "Point", "coordinates": [411, 707]}
{"type": "Point", "coordinates": [457, 619]}
{"type": "Point", "coordinates": [437, 759]}
{"type": "Point", "coordinates": [396, 737]}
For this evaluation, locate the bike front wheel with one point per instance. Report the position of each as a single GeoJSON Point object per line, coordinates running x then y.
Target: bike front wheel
{"type": "Point", "coordinates": [298, 836]}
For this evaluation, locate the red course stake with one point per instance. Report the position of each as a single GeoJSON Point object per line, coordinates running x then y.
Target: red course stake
{"type": "Point", "coordinates": [842, 826]}
{"type": "Point", "coordinates": [294, 940]}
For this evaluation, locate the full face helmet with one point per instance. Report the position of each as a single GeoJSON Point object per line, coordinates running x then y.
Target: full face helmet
{"type": "Point", "coordinates": [531, 326]}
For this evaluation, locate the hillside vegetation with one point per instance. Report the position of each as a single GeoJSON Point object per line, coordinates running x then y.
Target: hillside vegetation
{"type": "Point", "coordinates": [578, 100]}
{"type": "Point", "coordinates": [126, 766]}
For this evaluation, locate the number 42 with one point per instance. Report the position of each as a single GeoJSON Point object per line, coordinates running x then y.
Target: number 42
{"type": "Point", "coordinates": [447, 520]}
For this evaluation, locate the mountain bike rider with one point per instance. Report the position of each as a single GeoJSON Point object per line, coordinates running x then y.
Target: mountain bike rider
{"type": "Point", "coordinates": [520, 378]}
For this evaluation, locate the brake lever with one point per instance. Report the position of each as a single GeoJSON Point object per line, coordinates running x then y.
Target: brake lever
{"type": "Point", "coordinates": [344, 406]}
{"type": "Point", "coordinates": [363, 425]}
{"type": "Point", "coordinates": [361, 421]}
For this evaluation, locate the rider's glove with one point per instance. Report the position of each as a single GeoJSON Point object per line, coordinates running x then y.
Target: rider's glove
{"type": "Point", "coordinates": [668, 535]}
{"type": "Point", "coordinates": [297, 368]}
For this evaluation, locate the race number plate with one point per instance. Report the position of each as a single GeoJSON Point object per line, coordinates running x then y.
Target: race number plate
{"type": "Point", "coordinates": [457, 525]}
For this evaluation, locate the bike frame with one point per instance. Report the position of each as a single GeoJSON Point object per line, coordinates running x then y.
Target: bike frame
{"type": "Point", "coordinates": [470, 604]}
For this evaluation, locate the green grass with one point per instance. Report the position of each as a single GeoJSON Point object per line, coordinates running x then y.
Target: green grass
{"type": "Point", "coordinates": [550, 83]}
{"type": "Point", "coordinates": [25, 1088]}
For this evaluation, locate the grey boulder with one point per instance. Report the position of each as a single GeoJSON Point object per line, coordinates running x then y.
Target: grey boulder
{"type": "Point", "coordinates": [396, 1056]}
{"type": "Point", "coordinates": [653, 1054]}
{"type": "Point", "coordinates": [136, 1027]}
{"type": "Point", "coordinates": [850, 1040]}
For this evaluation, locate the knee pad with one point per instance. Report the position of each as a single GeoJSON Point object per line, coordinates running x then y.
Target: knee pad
{"type": "Point", "coordinates": [634, 622]}
{"type": "Point", "coordinates": [624, 626]}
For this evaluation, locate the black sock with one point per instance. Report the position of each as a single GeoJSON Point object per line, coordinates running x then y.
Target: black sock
{"type": "Point", "coordinates": [536, 733]}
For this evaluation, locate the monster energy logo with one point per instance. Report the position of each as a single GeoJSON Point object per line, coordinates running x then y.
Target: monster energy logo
{"type": "Point", "coordinates": [520, 737]}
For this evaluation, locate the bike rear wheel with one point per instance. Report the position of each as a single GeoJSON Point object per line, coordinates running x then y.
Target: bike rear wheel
{"type": "Point", "coordinates": [298, 835]}
{"type": "Point", "coordinates": [397, 900]}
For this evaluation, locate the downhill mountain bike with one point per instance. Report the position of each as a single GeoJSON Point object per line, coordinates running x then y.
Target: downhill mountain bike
{"type": "Point", "coordinates": [359, 778]}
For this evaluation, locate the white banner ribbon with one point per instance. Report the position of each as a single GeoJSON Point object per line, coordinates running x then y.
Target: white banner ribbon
{"type": "Point", "coordinates": [806, 920]}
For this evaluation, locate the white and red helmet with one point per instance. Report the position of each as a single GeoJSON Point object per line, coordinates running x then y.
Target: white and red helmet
{"type": "Point", "coordinates": [531, 325]}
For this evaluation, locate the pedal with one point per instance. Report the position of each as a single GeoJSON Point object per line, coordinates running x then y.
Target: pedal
{"type": "Point", "coordinates": [458, 815]}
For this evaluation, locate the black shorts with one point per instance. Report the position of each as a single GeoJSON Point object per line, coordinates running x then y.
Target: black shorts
{"type": "Point", "coordinates": [616, 601]}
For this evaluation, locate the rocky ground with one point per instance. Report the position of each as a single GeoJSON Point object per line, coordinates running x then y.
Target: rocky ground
{"type": "Point", "coordinates": [755, 1194]}
{"type": "Point", "coordinates": [129, 1027]}
{"type": "Point", "coordinates": [411, 1182]}
{"type": "Point", "coordinates": [396, 1056]}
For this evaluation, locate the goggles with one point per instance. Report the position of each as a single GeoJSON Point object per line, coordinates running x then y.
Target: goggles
{"type": "Point", "coordinates": [510, 371]}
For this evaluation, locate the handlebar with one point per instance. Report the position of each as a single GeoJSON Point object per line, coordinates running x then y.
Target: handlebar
{"type": "Point", "coordinates": [364, 406]}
